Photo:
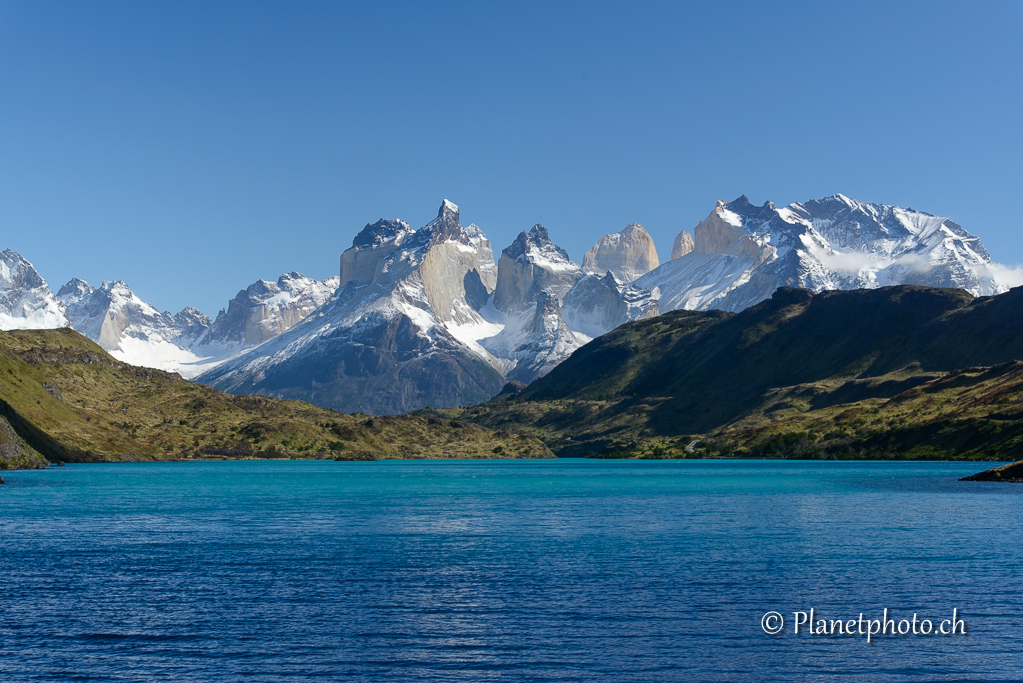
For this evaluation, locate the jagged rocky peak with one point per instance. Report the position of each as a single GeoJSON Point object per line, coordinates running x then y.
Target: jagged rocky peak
{"type": "Point", "coordinates": [401, 332]}
{"type": "Point", "coordinates": [26, 301]}
{"type": "Point", "coordinates": [75, 289]}
{"type": "Point", "coordinates": [104, 313]}
{"type": "Point", "coordinates": [131, 329]}
{"type": "Point", "coordinates": [683, 245]}
{"type": "Point", "coordinates": [375, 234]}
{"type": "Point", "coordinates": [380, 247]}
{"type": "Point", "coordinates": [529, 265]}
{"type": "Point", "coordinates": [191, 322]}
{"type": "Point", "coordinates": [628, 254]}
{"type": "Point", "coordinates": [446, 225]}
{"type": "Point", "coordinates": [743, 252]}
{"type": "Point", "coordinates": [453, 268]}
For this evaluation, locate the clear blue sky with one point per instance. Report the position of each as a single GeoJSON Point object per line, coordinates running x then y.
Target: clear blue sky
{"type": "Point", "coordinates": [191, 148]}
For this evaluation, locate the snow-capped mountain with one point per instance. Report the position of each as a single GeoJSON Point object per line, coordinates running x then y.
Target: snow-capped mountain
{"type": "Point", "coordinates": [741, 253]}
{"type": "Point", "coordinates": [402, 331]}
{"type": "Point", "coordinates": [257, 314]}
{"type": "Point", "coordinates": [188, 342]}
{"type": "Point", "coordinates": [421, 317]}
{"type": "Point", "coordinates": [530, 265]}
{"type": "Point", "coordinates": [131, 329]}
{"type": "Point", "coordinates": [26, 301]}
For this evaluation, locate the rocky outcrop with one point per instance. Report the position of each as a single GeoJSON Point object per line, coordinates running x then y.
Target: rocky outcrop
{"type": "Point", "coordinates": [26, 301]}
{"type": "Point", "coordinates": [683, 245]}
{"type": "Point", "coordinates": [458, 264]}
{"type": "Point", "coordinates": [627, 254]}
{"type": "Point", "coordinates": [14, 452]}
{"type": "Point", "coordinates": [548, 341]}
{"type": "Point", "coordinates": [1009, 474]}
{"type": "Point", "coordinates": [370, 250]}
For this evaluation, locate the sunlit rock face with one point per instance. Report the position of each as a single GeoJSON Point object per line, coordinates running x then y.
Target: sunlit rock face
{"type": "Point", "coordinates": [683, 245]}
{"type": "Point", "coordinates": [530, 265]}
{"type": "Point", "coordinates": [627, 254]}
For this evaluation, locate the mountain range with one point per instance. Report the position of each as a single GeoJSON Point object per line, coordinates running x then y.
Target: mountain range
{"type": "Point", "coordinates": [428, 317]}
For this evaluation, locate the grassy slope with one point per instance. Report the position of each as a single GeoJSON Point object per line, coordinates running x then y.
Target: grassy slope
{"type": "Point", "coordinates": [837, 374]}
{"type": "Point", "coordinates": [69, 400]}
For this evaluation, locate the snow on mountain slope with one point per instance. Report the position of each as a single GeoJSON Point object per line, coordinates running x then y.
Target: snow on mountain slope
{"type": "Point", "coordinates": [26, 301]}
{"type": "Point", "coordinates": [421, 317]}
{"type": "Point", "coordinates": [742, 253]}
{"type": "Point", "coordinates": [427, 317]}
{"type": "Point", "coordinates": [546, 340]}
{"type": "Point", "coordinates": [596, 305]}
{"type": "Point", "coordinates": [188, 342]}
{"type": "Point", "coordinates": [401, 332]}
{"type": "Point", "coordinates": [533, 274]}
{"type": "Point", "coordinates": [131, 329]}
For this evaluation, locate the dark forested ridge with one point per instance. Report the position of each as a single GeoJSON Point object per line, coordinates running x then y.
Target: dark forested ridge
{"type": "Point", "coordinates": [902, 371]}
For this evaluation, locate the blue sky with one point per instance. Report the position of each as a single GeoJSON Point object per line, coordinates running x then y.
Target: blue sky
{"type": "Point", "coordinates": [191, 148]}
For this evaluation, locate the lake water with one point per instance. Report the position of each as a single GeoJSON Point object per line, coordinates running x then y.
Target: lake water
{"type": "Point", "coordinates": [562, 570]}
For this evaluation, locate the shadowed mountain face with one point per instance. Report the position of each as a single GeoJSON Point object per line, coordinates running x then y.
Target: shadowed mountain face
{"type": "Point", "coordinates": [383, 365]}
{"type": "Point", "coordinates": [698, 371]}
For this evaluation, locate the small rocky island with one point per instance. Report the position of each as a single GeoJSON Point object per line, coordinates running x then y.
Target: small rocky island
{"type": "Point", "coordinates": [1011, 473]}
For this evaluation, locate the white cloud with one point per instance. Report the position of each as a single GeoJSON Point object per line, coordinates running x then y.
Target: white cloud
{"type": "Point", "coordinates": [1010, 276]}
{"type": "Point", "coordinates": [855, 262]}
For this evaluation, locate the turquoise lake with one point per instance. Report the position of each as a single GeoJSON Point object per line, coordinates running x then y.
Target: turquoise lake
{"type": "Point", "coordinates": [559, 570]}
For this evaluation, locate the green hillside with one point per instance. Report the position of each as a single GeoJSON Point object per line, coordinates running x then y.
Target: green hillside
{"type": "Point", "coordinates": [63, 398]}
{"type": "Point", "coordinates": [891, 372]}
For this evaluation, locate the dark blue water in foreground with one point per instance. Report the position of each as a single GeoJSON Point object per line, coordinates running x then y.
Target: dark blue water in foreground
{"type": "Point", "coordinates": [503, 571]}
